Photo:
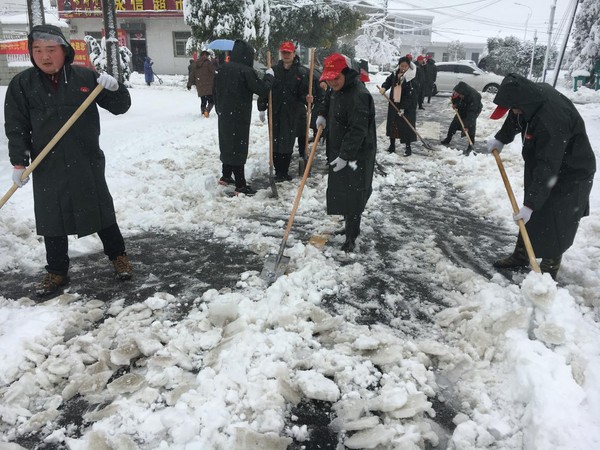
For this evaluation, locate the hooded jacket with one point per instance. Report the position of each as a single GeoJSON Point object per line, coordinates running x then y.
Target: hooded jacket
{"type": "Point", "coordinates": [70, 192]}
{"type": "Point", "coordinates": [235, 84]}
{"type": "Point", "coordinates": [559, 160]}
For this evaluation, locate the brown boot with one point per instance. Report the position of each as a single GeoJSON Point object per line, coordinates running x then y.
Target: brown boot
{"type": "Point", "coordinates": [123, 269]}
{"type": "Point", "coordinates": [518, 258]}
{"type": "Point", "coordinates": [551, 266]}
{"type": "Point", "coordinates": [51, 283]}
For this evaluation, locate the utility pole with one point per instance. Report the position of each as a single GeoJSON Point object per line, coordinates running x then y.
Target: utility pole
{"type": "Point", "coordinates": [564, 44]}
{"type": "Point", "coordinates": [35, 13]}
{"type": "Point", "coordinates": [530, 76]}
{"type": "Point", "coordinates": [112, 41]}
{"type": "Point", "coordinates": [548, 46]}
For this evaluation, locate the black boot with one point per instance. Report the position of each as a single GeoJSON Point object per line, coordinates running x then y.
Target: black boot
{"type": "Point", "coordinates": [551, 266]}
{"type": "Point", "coordinates": [408, 150]}
{"type": "Point", "coordinates": [447, 140]}
{"type": "Point", "coordinates": [518, 258]}
{"type": "Point", "coordinates": [392, 147]}
{"type": "Point", "coordinates": [352, 232]}
{"type": "Point", "coordinates": [468, 150]}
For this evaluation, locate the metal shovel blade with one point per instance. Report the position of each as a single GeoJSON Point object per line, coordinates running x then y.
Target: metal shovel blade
{"type": "Point", "coordinates": [274, 267]}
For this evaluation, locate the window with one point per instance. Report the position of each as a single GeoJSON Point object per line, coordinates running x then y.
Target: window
{"type": "Point", "coordinates": [446, 68]}
{"type": "Point", "coordinates": [445, 57]}
{"type": "Point", "coordinates": [180, 39]}
{"type": "Point", "coordinates": [475, 56]}
{"type": "Point", "coordinates": [465, 69]}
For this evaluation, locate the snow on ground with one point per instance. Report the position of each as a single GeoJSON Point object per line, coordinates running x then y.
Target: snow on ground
{"type": "Point", "coordinates": [523, 360]}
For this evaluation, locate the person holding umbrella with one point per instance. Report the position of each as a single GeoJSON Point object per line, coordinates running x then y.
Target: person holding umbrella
{"type": "Point", "coordinates": [69, 188]}
{"type": "Point", "coordinates": [349, 114]}
{"type": "Point", "coordinates": [559, 167]}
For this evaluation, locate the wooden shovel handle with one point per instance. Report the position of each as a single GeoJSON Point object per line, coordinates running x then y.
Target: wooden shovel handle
{"type": "Point", "coordinates": [53, 141]}
{"type": "Point", "coordinates": [462, 124]}
{"type": "Point", "coordinates": [270, 118]}
{"type": "Point", "coordinates": [301, 187]}
{"type": "Point", "coordinates": [309, 103]}
{"type": "Point", "coordinates": [515, 206]}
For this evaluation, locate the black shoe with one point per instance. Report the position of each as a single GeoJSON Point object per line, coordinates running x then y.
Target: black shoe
{"type": "Point", "coordinates": [246, 190]}
{"type": "Point", "coordinates": [281, 178]}
{"type": "Point", "coordinates": [511, 262]}
{"type": "Point", "coordinates": [348, 246]}
{"type": "Point", "coordinates": [421, 107]}
{"type": "Point", "coordinates": [551, 266]}
{"type": "Point", "coordinates": [468, 150]}
{"type": "Point", "coordinates": [408, 150]}
{"type": "Point", "coordinates": [226, 181]}
{"type": "Point", "coordinates": [391, 149]}
{"type": "Point", "coordinates": [446, 141]}
{"type": "Point", "coordinates": [51, 284]}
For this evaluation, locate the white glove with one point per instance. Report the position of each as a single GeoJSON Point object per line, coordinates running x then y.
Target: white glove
{"type": "Point", "coordinates": [108, 82]}
{"type": "Point", "coordinates": [270, 72]}
{"type": "Point", "coordinates": [338, 164]}
{"type": "Point", "coordinates": [261, 116]}
{"type": "Point", "coordinates": [524, 213]}
{"type": "Point", "coordinates": [494, 144]}
{"type": "Point", "coordinates": [16, 177]}
{"type": "Point", "coordinates": [321, 122]}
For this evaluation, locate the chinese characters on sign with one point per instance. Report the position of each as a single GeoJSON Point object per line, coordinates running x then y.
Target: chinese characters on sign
{"type": "Point", "coordinates": [123, 8]}
{"type": "Point", "coordinates": [17, 52]}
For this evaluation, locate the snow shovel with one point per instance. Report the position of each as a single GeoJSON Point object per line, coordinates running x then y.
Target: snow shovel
{"type": "Point", "coordinates": [274, 192]}
{"type": "Point", "coordinates": [302, 162]}
{"type": "Point", "coordinates": [160, 81]}
{"type": "Point", "coordinates": [515, 207]}
{"type": "Point", "coordinates": [425, 144]}
{"type": "Point", "coordinates": [50, 145]}
{"type": "Point", "coordinates": [462, 124]}
{"type": "Point", "coordinates": [276, 265]}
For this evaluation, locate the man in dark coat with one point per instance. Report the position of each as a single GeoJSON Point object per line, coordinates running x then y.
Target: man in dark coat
{"type": "Point", "coordinates": [467, 103]}
{"type": "Point", "coordinates": [430, 72]}
{"type": "Point", "coordinates": [559, 167]}
{"type": "Point", "coordinates": [421, 61]}
{"type": "Point", "coordinates": [349, 114]}
{"type": "Point", "coordinates": [202, 75]}
{"type": "Point", "coordinates": [69, 188]}
{"type": "Point", "coordinates": [404, 92]}
{"type": "Point", "coordinates": [290, 88]}
{"type": "Point", "coordinates": [235, 84]}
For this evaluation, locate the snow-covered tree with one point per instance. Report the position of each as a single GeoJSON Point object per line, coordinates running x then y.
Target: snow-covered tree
{"type": "Point", "coordinates": [231, 19]}
{"type": "Point", "coordinates": [586, 36]}
{"type": "Point", "coordinates": [506, 55]}
{"type": "Point", "coordinates": [376, 50]}
{"type": "Point", "coordinates": [456, 51]}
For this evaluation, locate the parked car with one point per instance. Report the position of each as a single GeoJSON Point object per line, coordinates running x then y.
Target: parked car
{"type": "Point", "coordinates": [450, 73]}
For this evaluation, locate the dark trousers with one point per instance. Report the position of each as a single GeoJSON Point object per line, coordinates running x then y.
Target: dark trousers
{"type": "Point", "coordinates": [281, 162]}
{"type": "Point", "coordinates": [352, 224]}
{"type": "Point", "coordinates": [57, 249]}
{"type": "Point", "coordinates": [237, 172]}
{"type": "Point", "coordinates": [206, 103]}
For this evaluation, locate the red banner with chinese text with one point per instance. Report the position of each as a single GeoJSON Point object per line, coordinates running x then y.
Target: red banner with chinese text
{"type": "Point", "coordinates": [124, 8]}
{"type": "Point", "coordinates": [14, 47]}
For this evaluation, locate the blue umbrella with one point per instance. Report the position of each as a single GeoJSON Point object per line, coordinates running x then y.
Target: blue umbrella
{"type": "Point", "coordinates": [221, 44]}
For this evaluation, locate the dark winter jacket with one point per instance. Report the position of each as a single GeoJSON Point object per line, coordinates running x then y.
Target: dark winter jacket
{"type": "Point", "coordinates": [202, 75]}
{"type": "Point", "coordinates": [396, 126]}
{"type": "Point", "coordinates": [235, 84]}
{"type": "Point", "coordinates": [70, 192]}
{"type": "Point", "coordinates": [350, 115]}
{"type": "Point", "coordinates": [468, 106]}
{"type": "Point", "coordinates": [148, 70]}
{"type": "Point", "coordinates": [290, 88]}
{"type": "Point", "coordinates": [559, 161]}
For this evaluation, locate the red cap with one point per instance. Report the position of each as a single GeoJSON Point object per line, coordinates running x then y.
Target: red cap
{"type": "Point", "coordinates": [364, 76]}
{"type": "Point", "coordinates": [333, 66]}
{"type": "Point", "coordinates": [499, 112]}
{"type": "Point", "coordinates": [287, 46]}
{"type": "Point", "coordinates": [420, 58]}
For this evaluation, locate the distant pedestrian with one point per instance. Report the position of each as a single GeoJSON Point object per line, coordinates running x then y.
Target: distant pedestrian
{"type": "Point", "coordinates": [404, 92]}
{"type": "Point", "coordinates": [290, 89]}
{"type": "Point", "coordinates": [202, 76]}
{"type": "Point", "coordinates": [235, 84]}
{"type": "Point", "coordinates": [421, 80]}
{"type": "Point", "coordinates": [559, 167]}
{"type": "Point", "coordinates": [148, 70]}
{"type": "Point", "coordinates": [69, 188]}
{"type": "Point", "coordinates": [467, 102]}
{"type": "Point", "coordinates": [349, 113]}
{"type": "Point", "coordinates": [430, 72]}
